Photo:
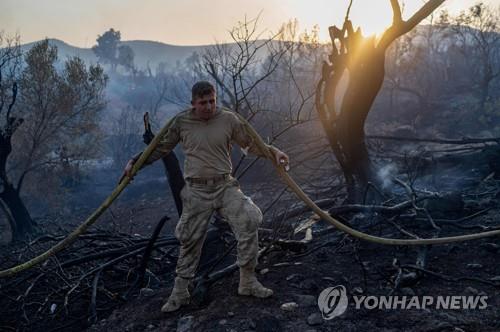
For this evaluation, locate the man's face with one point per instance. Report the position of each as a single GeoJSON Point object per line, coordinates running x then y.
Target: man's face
{"type": "Point", "coordinates": [204, 107]}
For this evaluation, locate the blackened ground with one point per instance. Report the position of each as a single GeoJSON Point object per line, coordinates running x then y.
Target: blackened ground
{"type": "Point", "coordinates": [329, 260]}
{"type": "Point", "coordinates": [363, 268]}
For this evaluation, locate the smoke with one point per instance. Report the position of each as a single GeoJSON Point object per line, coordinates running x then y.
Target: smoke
{"type": "Point", "coordinates": [386, 173]}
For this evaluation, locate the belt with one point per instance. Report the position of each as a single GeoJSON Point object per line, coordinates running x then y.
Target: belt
{"type": "Point", "coordinates": [209, 181]}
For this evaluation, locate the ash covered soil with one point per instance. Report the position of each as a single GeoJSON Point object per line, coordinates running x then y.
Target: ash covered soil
{"type": "Point", "coordinates": [299, 273]}
{"type": "Point", "coordinates": [365, 269]}
{"type": "Point", "coordinates": [305, 277]}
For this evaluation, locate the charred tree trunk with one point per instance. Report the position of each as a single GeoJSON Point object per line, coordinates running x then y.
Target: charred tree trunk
{"type": "Point", "coordinates": [365, 80]}
{"type": "Point", "coordinates": [172, 167]}
{"type": "Point", "coordinates": [17, 214]}
{"type": "Point", "coordinates": [175, 178]}
{"type": "Point", "coordinates": [363, 60]}
{"type": "Point", "coordinates": [20, 220]}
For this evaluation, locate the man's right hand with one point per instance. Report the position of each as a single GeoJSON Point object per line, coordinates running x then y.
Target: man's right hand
{"type": "Point", "coordinates": [128, 170]}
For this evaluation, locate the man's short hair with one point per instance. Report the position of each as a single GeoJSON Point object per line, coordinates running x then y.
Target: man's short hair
{"type": "Point", "coordinates": [201, 89]}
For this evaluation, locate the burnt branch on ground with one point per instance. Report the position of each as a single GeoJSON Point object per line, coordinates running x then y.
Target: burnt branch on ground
{"type": "Point", "coordinates": [103, 269]}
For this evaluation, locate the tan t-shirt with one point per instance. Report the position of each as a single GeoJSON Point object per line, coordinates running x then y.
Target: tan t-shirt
{"type": "Point", "coordinates": [206, 144]}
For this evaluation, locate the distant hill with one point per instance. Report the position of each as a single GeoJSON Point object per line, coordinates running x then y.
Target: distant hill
{"type": "Point", "coordinates": [65, 50]}
{"type": "Point", "coordinates": [156, 52]}
{"type": "Point", "coordinates": [146, 52]}
{"type": "Point", "coordinates": [153, 53]}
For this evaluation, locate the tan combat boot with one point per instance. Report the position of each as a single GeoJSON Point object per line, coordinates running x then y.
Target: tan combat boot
{"type": "Point", "coordinates": [178, 297]}
{"type": "Point", "coordinates": [249, 285]}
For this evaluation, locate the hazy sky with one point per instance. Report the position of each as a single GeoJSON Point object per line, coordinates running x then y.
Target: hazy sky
{"type": "Point", "coordinates": [187, 22]}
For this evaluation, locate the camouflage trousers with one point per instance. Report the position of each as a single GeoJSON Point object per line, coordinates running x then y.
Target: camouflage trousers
{"type": "Point", "coordinates": [199, 201]}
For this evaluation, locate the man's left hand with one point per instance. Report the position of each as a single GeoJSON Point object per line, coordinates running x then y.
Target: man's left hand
{"type": "Point", "coordinates": [282, 159]}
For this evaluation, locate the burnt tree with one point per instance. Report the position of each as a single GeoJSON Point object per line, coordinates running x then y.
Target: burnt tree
{"type": "Point", "coordinates": [46, 125]}
{"type": "Point", "coordinates": [172, 167]}
{"type": "Point", "coordinates": [13, 206]}
{"type": "Point", "coordinates": [10, 201]}
{"type": "Point", "coordinates": [362, 59]}
{"type": "Point", "coordinates": [477, 31]}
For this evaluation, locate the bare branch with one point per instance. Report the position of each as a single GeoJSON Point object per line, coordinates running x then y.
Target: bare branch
{"type": "Point", "coordinates": [397, 30]}
{"type": "Point", "coordinates": [397, 19]}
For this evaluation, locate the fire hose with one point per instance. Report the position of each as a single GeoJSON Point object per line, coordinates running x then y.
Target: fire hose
{"type": "Point", "coordinates": [284, 176]}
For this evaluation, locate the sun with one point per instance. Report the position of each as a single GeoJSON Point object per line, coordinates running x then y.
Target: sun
{"type": "Point", "coordinates": [372, 17]}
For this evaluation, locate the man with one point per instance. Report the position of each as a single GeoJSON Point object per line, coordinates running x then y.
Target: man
{"type": "Point", "coordinates": [206, 133]}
